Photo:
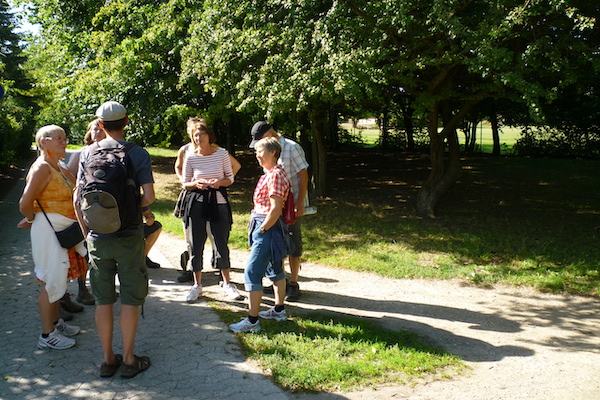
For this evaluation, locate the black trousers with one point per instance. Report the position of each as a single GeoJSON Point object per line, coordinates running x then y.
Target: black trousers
{"type": "Point", "coordinates": [198, 234]}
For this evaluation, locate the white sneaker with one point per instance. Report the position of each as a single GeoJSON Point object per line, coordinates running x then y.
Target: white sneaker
{"type": "Point", "coordinates": [245, 326]}
{"type": "Point", "coordinates": [55, 341]}
{"type": "Point", "coordinates": [231, 291]}
{"type": "Point", "coordinates": [272, 314]}
{"type": "Point", "coordinates": [65, 329]}
{"type": "Point", "coordinates": [194, 293]}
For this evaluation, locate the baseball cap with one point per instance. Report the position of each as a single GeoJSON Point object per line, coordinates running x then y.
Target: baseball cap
{"type": "Point", "coordinates": [257, 132]}
{"type": "Point", "coordinates": [111, 111]}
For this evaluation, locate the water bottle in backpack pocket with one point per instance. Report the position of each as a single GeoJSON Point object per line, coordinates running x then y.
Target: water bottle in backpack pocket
{"type": "Point", "coordinates": [110, 198]}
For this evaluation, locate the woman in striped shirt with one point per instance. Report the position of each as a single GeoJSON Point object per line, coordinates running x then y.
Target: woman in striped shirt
{"type": "Point", "coordinates": [188, 275]}
{"type": "Point", "coordinates": [206, 173]}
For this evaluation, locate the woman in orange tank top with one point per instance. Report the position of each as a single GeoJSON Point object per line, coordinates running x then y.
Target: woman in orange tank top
{"type": "Point", "coordinates": [51, 184]}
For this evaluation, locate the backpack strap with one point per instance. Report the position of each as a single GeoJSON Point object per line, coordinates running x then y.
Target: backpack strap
{"type": "Point", "coordinates": [45, 215]}
{"type": "Point", "coordinates": [127, 146]}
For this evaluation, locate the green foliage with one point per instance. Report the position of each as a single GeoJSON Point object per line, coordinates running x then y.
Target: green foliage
{"type": "Point", "coordinates": [572, 124]}
{"type": "Point", "coordinates": [277, 57]}
{"type": "Point", "coordinates": [348, 138]}
{"type": "Point", "coordinates": [553, 142]}
{"type": "Point", "coordinates": [272, 56]}
{"type": "Point", "coordinates": [237, 61]}
{"type": "Point", "coordinates": [122, 50]}
{"type": "Point", "coordinates": [172, 127]}
{"type": "Point", "coordinates": [17, 106]}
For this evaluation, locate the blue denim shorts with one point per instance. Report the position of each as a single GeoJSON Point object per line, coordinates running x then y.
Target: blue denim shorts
{"type": "Point", "coordinates": [260, 262]}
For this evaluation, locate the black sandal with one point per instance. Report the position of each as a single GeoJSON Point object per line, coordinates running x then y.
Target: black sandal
{"type": "Point", "coordinates": [140, 364]}
{"type": "Point", "coordinates": [106, 370]}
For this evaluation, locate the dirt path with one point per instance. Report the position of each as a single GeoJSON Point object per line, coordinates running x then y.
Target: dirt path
{"type": "Point", "coordinates": [518, 343]}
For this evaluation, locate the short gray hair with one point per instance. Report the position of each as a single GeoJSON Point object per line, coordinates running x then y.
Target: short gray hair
{"type": "Point", "coordinates": [269, 144]}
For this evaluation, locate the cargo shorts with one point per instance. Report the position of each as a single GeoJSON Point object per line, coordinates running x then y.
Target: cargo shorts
{"type": "Point", "coordinates": [123, 257]}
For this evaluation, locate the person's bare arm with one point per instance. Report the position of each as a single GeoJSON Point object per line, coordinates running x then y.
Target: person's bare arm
{"type": "Point", "coordinates": [73, 164]}
{"type": "Point", "coordinates": [38, 180]}
{"type": "Point", "coordinates": [303, 188]}
{"type": "Point", "coordinates": [78, 213]}
{"type": "Point", "coordinates": [148, 195]}
{"type": "Point", "coordinates": [179, 163]}
{"type": "Point", "coordinates": [235, 165]}
{"type": "Point", "coordinates": [216, 183]}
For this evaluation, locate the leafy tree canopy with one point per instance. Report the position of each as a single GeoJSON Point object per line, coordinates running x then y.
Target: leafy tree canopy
{"type": "Point", "coordinates": [290, 59]}
{"type": "Point", "coordinates": [16, 106]}
{"type": "Point", "coordinates": [125, 50]}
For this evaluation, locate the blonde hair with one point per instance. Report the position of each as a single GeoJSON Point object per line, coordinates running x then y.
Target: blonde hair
{"type": "Point", "coordinates": [87, 139]}
{"type": "Point", "coordinates": [47, 131]}
{"type": "Point", "coordinates": [191, 124]}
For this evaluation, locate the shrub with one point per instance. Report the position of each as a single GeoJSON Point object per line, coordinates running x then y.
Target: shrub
{"type": "Point", "coordinates": [558, 143]}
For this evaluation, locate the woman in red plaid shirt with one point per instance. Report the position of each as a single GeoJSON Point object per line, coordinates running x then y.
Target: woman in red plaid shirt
{"type": "Point", "coordinates": [268, 236]}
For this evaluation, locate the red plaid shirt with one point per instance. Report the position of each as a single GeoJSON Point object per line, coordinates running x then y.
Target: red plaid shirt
{"type": "Point", "coordinates": [273, 183]}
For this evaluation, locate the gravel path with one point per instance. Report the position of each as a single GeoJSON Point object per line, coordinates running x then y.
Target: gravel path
{"type": "Point", "coordinates": [518, 343]}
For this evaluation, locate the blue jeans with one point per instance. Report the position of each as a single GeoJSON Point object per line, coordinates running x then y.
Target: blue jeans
{"type": "Point", "coordinates": [260, 262]}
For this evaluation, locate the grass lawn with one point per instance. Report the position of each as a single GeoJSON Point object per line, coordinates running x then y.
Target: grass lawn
{"type": "Point", "coordinates": [312, 352]}
{"type": "Point", "coordinates": [509, 220]}
{"type": "Point", "coordinates": [508, 136]}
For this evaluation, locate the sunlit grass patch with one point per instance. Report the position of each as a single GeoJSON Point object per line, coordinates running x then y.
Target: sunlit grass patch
{"type": "Point", "coordinates": [315, 352]}
{"type": "Point", "coordinates": [161, 152]}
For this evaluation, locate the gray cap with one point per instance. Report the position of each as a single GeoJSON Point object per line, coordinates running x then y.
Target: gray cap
{"type": "Point", "coordinates": [111, 111]}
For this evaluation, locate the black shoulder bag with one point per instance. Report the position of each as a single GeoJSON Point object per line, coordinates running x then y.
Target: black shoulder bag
{"type": "Point", "coordinates": [68, 238]}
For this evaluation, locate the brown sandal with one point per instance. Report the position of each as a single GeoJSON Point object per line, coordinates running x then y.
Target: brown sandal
{"type": "Point", "coordinates": [106, 370]}
{"type": "Point", "coordinates": [140, 364]}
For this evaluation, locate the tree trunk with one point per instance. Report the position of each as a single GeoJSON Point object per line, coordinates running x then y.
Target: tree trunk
{"type": "Point", "coordinates": [441, 176]}
{"type": "Point", "coordinates": [305, 129]}
{"type": "Point", "coordinates": [430, 192]}
{"type": "Point", "coordinates": [495, 134]}
{"type": "Point", "coordinates": [229, 128]}
{"type": "Point", "coordinates": [409, 128]}
{"type": "Point", "coordinates": [385, 135]}
{"type": "Point", "coordinates": [319, 159]}
{"type": "Point", "coordinates": [332, 129]}
{"type": "Point", "coordinates": [467, 134]}
{"type": "Point", "coordinates": [473, 138]}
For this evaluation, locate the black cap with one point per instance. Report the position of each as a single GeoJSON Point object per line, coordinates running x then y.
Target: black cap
{"type": "Point", "coordinates": [257, 132]}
